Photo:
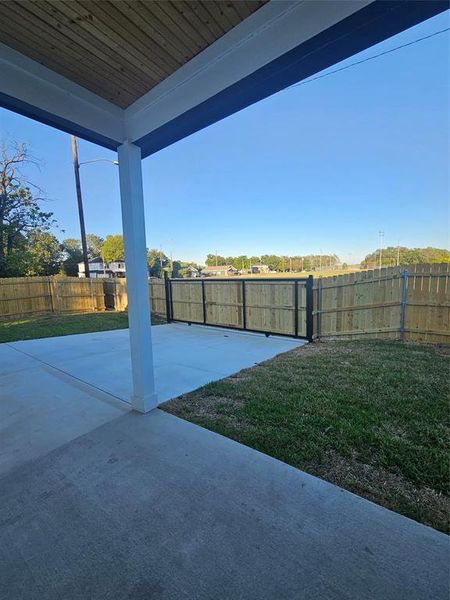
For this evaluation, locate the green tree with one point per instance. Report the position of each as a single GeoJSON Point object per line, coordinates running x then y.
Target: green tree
{"type": "Point", "coordinates": [157, 262]}
{"type": "Point", "coordinates": [94, 245]}
{"type": "Point", "coordinates": [214, 259]}
{"type": "Point", "coordinates": [16, 260]}
{"type": "Point", "coordinates": [20, 211]}
{"type": "Point", "coordinates": [44, 253]}
{"type": "Point", "coordinates": [113, 248]}
{"type": "Point", "coordinates": [73, 254]}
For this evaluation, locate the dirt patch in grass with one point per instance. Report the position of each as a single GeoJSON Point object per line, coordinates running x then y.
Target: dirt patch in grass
{"type": "Point", "coordinates": [369, 416]}
{"type": "Point", "coordinates": [379, 485]}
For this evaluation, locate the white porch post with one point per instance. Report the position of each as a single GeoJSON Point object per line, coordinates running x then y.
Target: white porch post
{"type": "Point", "coordinates": [132, 199]}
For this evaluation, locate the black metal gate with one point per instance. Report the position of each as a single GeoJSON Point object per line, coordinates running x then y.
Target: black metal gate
{"type": "Point", "coordinates": [193, 301]}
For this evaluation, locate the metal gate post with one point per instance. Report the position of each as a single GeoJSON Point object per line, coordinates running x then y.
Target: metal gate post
{"type": "Point", "coordinates": [319, 308]}
{"type": "Point", "coordinates": [168, 297]}
{"type": "Point", "coordinates": [244, 310]}
{"type": "Point", "coordinates": [309, 308]}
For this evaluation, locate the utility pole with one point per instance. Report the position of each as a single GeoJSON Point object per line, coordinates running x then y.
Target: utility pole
{"type": "Point", "coordinates": [76, 168]}
{"type": "Point", "coordinates": [381, 236]}
{"type": "Point", "coordinates": [398, 253]}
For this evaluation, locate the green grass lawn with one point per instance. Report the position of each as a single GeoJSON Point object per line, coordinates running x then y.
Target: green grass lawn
{"type": "Point", "coordinates": [370, 416]}
{"type": "Point", "coordinates": [28, 328]}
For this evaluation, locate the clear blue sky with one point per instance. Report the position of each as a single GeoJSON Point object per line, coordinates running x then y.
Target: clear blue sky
{"type": "Point", "coordinates": [323, 166]}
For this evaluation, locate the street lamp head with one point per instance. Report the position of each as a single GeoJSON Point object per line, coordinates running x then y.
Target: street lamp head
{"type": "Point", "coordinates": [86, 162]}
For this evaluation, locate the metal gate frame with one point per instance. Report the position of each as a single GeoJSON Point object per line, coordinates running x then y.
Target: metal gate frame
{"type": "Point", "coordinates": [308, 281]}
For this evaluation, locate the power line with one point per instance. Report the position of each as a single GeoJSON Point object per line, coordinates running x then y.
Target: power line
{"type": "Point", "coordinates": [359, 62]}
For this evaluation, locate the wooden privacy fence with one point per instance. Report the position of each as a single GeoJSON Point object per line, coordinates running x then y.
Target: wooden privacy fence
{"type": "Point", "coordinates": [21, 296]}
{"type": "Point", "coordinates": [410, 303]}
{"type": "Point", "coordinates": [266, 305]}
{"type": "Point", "coordinates": [116, 297]}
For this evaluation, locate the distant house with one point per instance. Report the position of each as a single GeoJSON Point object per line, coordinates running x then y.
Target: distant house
{"type": "Point", "coordinates": [117, 268]}
{"type": "Point", "coordinates": [260, 269]}
{"type": "Point", "coordinates": [192, 271]}
{"type": "Point", "coordinates": [98, 268]}
{"type": "Point", "coordinates": [221, 271]}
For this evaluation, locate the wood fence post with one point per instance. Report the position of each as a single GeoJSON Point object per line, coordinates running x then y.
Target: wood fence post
{"type": "Point", "coordinates": [55, 285]}
{"type": "Point", "coordinates": [403, 304]}
{"type": "Point", "coordinates": [244, 308]}
{"type": "Point", "coordinates": [203, 301]}
{"type": "Point", "coordinates": [296, 308]}
{"type": "Point", "coordinates": [50, 293]}
{"type": "Point", "coordinates": [117, 304]}
{"type": "Point", "coordinates": [92, 293]}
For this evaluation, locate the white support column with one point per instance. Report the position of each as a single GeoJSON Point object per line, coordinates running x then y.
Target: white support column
{"type": "Point", "coordinates": [132, 199]}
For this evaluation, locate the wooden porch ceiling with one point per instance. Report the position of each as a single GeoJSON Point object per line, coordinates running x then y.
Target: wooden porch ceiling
{"type": "Point", "coordinates": [117, 49]}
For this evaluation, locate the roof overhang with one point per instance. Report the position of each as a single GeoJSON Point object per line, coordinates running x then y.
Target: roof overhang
{"type": "Point", "coordinates": [276, 46]}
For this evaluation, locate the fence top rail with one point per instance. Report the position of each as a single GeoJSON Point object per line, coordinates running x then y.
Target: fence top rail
{"type": "Point", "coordinates": [356, 282]}
{"type": "Point", "coordinates": [410, 275]}
{"type": "Point", "coordinates": [241, 279]}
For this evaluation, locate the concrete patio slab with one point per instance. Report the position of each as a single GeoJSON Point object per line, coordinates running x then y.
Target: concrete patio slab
{"type": "Point", "coordinates": [53, 390]}
{"type": "Point", "coordinates": [155, 507]}
{"type": "Point", "coordinates": [42, 409]}
{"type": "Point", "coordinates": [185, 357]}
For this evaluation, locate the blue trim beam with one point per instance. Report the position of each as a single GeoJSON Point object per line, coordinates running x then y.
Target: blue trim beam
{"type": "Point", "coordinates": [370, 25]}
{"type": "Point", "coordinates": [33, 112]}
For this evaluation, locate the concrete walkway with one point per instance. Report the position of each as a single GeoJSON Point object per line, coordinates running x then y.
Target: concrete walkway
{"type": "Point", "coordinates": [100, 503]}
{"type": "Point", "coordinates": [153, 507]}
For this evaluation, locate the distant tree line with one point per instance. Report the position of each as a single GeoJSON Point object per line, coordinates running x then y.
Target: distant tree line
{"type": "Point", "coordinates": [400, 255]}
{"type": "Point", "coordinates": [308, 262]}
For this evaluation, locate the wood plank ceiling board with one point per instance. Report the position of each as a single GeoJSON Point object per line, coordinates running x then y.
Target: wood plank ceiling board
{"type": "Point", "coordinates": [117, 49]}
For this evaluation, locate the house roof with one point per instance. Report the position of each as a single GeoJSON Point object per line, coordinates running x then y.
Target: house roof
{"type": "Point", "coordinates": [219, 268]}
{"type": "Point", "coordinates": [92, 261]}
{"type": "Point", "coordinates": [153, 72]}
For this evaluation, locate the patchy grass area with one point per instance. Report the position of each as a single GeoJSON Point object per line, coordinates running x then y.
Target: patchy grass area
{"type": "Point", "coordinates": [29, 328]}
{"type": "Point", "coordinates": [370, 416]}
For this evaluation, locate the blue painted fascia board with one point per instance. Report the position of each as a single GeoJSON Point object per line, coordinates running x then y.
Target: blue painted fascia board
{"type": "Point", "coordinates": [370, 25]}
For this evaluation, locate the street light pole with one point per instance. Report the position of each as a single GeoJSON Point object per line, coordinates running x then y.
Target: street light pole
{"type": "Point", "coordinates": [76, 168]}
